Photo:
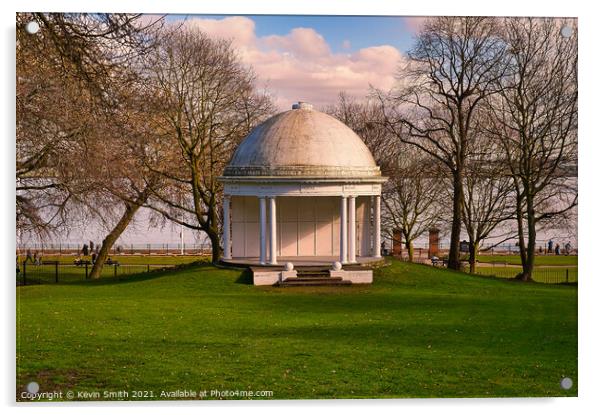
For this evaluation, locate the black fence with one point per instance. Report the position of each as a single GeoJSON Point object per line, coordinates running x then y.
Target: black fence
{"type": "Point", "coordinates": [132, 249]}
{"type": "Point", "coordinates": [48, 272]}
{"type": "Point", "coordinates": [546, 275]}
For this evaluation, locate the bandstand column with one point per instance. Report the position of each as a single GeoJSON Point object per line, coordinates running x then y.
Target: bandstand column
{"type": "Point", "coordinates": [262, 230]}
{"type": "Point", "coordinates": [377, 226]}
{"type": "Point", "coordinates": [343, 238]}
{"type": "Point", "coordinates": [226, 228]}
{"type": "Point", "coordinates": [352, 229]}
{"type": "Point", "coordinates": [273, 255]}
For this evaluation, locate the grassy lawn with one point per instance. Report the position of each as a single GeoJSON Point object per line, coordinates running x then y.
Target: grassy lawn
{"type": "Point", "coordinates": [417, 331]}
{"type": "Point", "coordinates": [554, 260]}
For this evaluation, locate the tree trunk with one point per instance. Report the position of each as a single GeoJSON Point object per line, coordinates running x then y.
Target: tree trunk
{"type": "Point", "coordinates": [410, 249]}
{"type": "Point", "coordinates": [529, 263]}
{"type": "Point", "coordinates": [454, 247]}
{"type": "Point", "coordinates": [472, 256]}
{"type": "Point", "coordinates": [107, 243]}
{"type": "Point", "coordinates": [216, 249]}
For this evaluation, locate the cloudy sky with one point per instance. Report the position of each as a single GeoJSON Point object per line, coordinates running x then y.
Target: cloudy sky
{"type": "Point", "coordinates": [313, 58]}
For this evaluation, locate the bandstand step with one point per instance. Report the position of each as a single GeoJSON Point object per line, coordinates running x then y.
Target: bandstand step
{"type": "Point", "coordinates": [313, 281]}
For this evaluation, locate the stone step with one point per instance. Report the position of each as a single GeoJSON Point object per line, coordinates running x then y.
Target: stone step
{"type": "Point", "coordinates": [313, 274]}
{"type": "Point", "coordinates": [314, 279]}
{"type": "Point", "coordinates": [307, 282]}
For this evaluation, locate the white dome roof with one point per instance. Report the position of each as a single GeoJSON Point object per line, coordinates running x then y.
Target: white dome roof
{"type": "Point", "coordinates": [303, 143]}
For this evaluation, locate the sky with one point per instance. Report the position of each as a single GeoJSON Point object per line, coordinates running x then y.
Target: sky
{"type": "Point", "coordinates": [314, 58]}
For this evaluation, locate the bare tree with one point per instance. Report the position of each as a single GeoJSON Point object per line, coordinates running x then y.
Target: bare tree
{"type": "Point", "coordinates": [119, 169]}
{"type": "Point", "coordinates": [534, 117]}
{"type": "Point", "coordinates": [454, 64]}
{"type": "Point", "coordinates": [65, 74]}
{"type": "Point", "coordinates": [208, 103]}
{"type": "Point", "coordinates": [365, 118]}
{"type": "Point", "coordinates": [412, 197]}
{"type": "Point", "coordinates": [488, 193]}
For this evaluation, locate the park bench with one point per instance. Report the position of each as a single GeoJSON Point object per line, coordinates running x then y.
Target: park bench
{"type": "Point", "coordinates": [437, 262]}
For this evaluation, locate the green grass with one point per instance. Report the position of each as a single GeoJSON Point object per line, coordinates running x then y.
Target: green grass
{"type": "Point", "coordinates": [554, 260]}
{"type": "Point", "coordinates": [417, 331]}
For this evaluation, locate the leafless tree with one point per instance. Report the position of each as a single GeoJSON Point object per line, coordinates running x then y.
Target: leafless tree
{"type": "Point", "coordinates": [365, 118]}
{"type": "Point", "coordinates": [64, 78]}
{"type": "Point", "coordinates": [412, 197]}
{"type": "Point", "coordinates": [454, 64]}
{"type": "Point", "coordinates": [534, 117]}
{"type": "Point", "coordinates": [119, 169]}
{"type": "Point", "coordinates": [79, 125]}
{"type": "Point", "coordinates": [488, 195]}
{"type": "Point", "coordinates": [208, 102]}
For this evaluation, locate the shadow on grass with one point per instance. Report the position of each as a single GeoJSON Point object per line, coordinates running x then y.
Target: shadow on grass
{"type": "Point", "coordinates": [246, 277]}
{"type": "Point", "coordinates": [143, 276]}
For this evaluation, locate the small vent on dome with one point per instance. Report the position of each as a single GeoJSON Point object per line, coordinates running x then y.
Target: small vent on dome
{"type": "Point", "coordinates": [303, 106]}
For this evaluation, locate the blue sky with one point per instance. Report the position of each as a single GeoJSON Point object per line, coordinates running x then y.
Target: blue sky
{"type": "Point", "coordinates": [360, 31]}
{"type": "Point", "coordinates": [314, 58]}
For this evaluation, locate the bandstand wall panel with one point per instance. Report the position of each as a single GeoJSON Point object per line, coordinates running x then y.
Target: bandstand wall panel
{"type": "Point", "coordinates": [306, 226]}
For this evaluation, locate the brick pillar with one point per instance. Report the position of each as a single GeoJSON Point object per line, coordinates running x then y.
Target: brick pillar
{"type": "Point", "coordinates": [397, 242]}
{"type": "Point", "coordinates": [433, 242]}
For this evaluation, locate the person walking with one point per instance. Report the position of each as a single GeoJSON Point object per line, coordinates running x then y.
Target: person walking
{"type": "Point", "coordinates": [85, 250]}
{"type": "Point", "coordinates": [550, 246]}
{"type": "Point", "coordinates": [567, 248]}
{"type": "Point", "coordinates": [557, 249]}
{"type": "Point", "coordinates": [28, 257]}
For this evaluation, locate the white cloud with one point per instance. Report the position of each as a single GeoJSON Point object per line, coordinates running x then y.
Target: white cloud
{"type": "Point", "coordinates": [300, 65]}
{"type": "Point", "coordinates": [414, 23]}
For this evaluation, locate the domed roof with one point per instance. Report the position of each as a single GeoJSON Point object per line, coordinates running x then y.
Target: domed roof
{"type": "Point", "coordinates": [303, 142]}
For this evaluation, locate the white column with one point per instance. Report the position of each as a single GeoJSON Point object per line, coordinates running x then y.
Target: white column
{"type": "Point", "coordinates": [226, 228]}
{"type": "Point", "coordinates": [377, 226]}
{"type": "Point", "coordinates": [268, 241]}
{"type": "Point", "coordinates": [273, 255]}
{"type": "Point", "coordinates": [262, 232]}
{"type": "Point", "coordinates": [352, 229]}
{"type": "Point", "coordinates": [343, 248]}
